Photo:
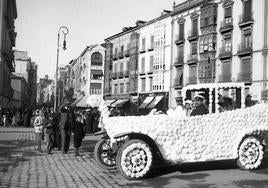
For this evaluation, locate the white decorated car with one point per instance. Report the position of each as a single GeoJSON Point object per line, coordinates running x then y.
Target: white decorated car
{"type": "Point", "coordinates": [133, 143]}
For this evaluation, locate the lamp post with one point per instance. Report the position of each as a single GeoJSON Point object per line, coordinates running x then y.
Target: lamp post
{"type": "Point", "coordinates": [65, 31]}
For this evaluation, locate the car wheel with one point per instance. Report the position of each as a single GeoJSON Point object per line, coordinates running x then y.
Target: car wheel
{"type": "Point", "coordinates": [134, 159]}
{"type": "Point", "coordinates": [104, 155]}
{"type": "Point", "coordinates": [250, 153]}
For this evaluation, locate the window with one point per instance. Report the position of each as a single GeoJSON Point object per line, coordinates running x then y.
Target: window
{"type": "Point", "coordinates": [227, 43]}
{"type": "Point", "coordinates": [127, 66]}
{"type": "Point", "coordinates": [96, 59]}
{"type": "Point", "coordinates": [143, 44]}
{"type": "Point", "coordinates": [247, 10]}
{"type": "Point", "coordinates": [115, 89]}
{"type": "Point", "coordinates": [121, 88]}
{"type": "Point", "coordinates": [247, 39]}
{"type": "Point", "coordinates": [127, 87]}
{"type": "Point", "coordinates": [121, 67]}
{"type": "Point", "coordinates": [194, 27]}
{"type": "Point", "coordinates": [181, 51]}
{"type": "Point", "coordinates": [151, 63]}
{"type": "Point", "coordinates": [194, 48]}
{"type": "Point", "coordinates": [201, 45]}
{"type": "Point", "coordinates": [226, 68]}
{"type": "Point", "coordinates": [181, 31]}
{"type": "Point", "coordinates": [122, 50]}
{"type": "Point", "coordinates": [151, 83]}
{"type": "Point", "coordinates": [115, 51]}
{"type": "Point", "coordinates": [143, 84]}
{"type": "Point", "coordinates": [115, 68]}
{"type": "Point", "coordinates": [143, 65]}
{"type": "Point", "coordinates": [152, 41]}
{"type": "Point", "coordinates": [228, 12]}
{"type": "Point", "coordinates": [246, 65]}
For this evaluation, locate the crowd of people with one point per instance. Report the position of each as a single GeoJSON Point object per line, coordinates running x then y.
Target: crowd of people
{"type": "Point", "coordinates": [15, 117]}
{"type": "Point", "coordinates": [56, 128]}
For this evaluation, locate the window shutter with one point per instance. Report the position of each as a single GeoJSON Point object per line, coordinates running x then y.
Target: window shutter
{"type": "Point", "coordinates": [180, 50]}
{"type": "Point", "coordinates": [194, 48]}
{"type": "Point", "coordinates": [195, 26]}
{"type": "Point", "coordinates": [121, 67]}
{"type": "Point", "coordinates": [226, 68]}
{"type": "Point", "coordinates": [151, 63]}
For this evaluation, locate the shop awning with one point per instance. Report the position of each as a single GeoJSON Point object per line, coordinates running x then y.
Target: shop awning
{"type": "Point", "coordinates": [146, 102]}
{"type": "Point", "coordinates": [98, 72]}
{"type": "Point", "coordinates": [119, 103]}
{"type": "Point", "coordinates": [109, 102]}
{"type": "Point", "coordinates": [156, 100]}
{"type": "Point", "coordinates": [76, 101]}
{"type": "Point", "coordinates": [83, 102]}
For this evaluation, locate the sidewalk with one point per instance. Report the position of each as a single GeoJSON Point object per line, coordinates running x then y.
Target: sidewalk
{"type": "Point", "coordinates": [16, 129]}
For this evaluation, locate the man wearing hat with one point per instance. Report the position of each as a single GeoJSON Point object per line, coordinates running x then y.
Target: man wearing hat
{"type": "Point", "coordinates": [200, 108]}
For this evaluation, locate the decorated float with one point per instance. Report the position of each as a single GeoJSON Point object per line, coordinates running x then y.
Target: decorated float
{"type": "Point", "coordinates": [133, 143]}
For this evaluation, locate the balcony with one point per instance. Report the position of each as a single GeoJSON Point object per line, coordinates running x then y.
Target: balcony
{"type": "Point", "coordinates": [225, 78]}
{"type": "Point", "coordinates": [180, 39]}
{"type": "Point", "coordinates": [151, 47]}
{"type": "Point", "coordinates": [142, 72]}
{"type": "Point", "coordinates": [150, 71]}
{"type": "Point", "coordinates": [142, 50]}
{"type": "Point", "coordinates": [192, 80]}
{"type": "Point", "coordinates": [127, 53]}
{"type": "Point", "coordinates": [244, 77]}
{"type": "Point", "coordinates": [192, 59]}
{"type": "Point", "coordinates": [225, 53]}
{"type": "Point", "coordinates": [179, 62]}
{"type": "Point", "coordinates": [226, 25]}
{"type": "Point", "coordinates": [115, 75]}
{"type": "Point", "coordinates": [244, 49]}
{"type": "Point", "coordinates": [121, 74]}
{"type": "Point", "coordinates": [126, 74]}
{"type": "Point", "coordinates": [115, 56]}
{"type": "Point", "coordinates": [192, 35]}
{"type": "Point", "coordinates": [245, 20]}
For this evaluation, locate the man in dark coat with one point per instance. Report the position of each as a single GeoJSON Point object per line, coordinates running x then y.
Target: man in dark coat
{"type": "Point", "coordinates": [200, 108]}
{"type": "Point", "coordinates": [66, 122]}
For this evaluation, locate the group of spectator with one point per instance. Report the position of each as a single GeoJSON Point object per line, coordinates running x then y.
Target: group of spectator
{"type": "Point", "coordinates": [57, 127]}
{"type": "Point", "coordinates": [15, 117]}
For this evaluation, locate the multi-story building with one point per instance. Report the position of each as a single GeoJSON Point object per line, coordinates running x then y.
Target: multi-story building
{"type": "Point", "coordinates": [213, 43]}
{"type": "Point", "coordinates": [121, 74]}
{"type": "Point", "coordinates": [44, 88]}
{"type": "Point", "coordinates": [75, 77]}
{"type": "Point", "coordinates": [154, 63]}
{"type": "Point", "coordinates": [8, 13]}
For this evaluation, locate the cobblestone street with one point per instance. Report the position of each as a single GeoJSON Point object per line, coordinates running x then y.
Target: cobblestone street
{"type": "Point", "coordinates": [22, 166]}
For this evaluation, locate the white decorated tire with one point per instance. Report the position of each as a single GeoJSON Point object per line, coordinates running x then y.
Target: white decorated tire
{"type": "Point", "coordinates": [134, 159]}
{"type": "Point", "coordinates": [250, 153]}
{"type": "Point", "coordinates": [104, 155]}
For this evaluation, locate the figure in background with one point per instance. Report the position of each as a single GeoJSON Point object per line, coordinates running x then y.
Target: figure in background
{"type": "Point", "coordinates": [38, 127]}
{"type": "Point", "coordinates": [78, 129]}
{"type": "Point", "coordinates": [188, 107]}
{"type": "Point", "coordinates": [50, 129]}
{"type": "Point", "coordinates": [66, 121]}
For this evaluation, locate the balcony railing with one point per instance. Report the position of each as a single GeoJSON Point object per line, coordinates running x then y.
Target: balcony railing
{"type": "Point", "coordinates": [225, 53]}
{"type": "Point", "coordinates": [179, 61]}
{"type": "Point", "coordinates": [192, 80]}
{"type": "Point", "coordinates": [225, 78]}
{"type": "Point", "coordinates": [179, 39]}
{"type": "Point", "coordinates": [120, 74]}
{"type": "Point", "coordinates": [244, 77]}
{"type": "Point", "coordinates": [226, 25]}
{"type": "Point", "coordinates": [115, 56]}
{"type": "Point", "coordinates": [192, 35]}
{"type": "Point", "coordinates": [192, 58]}
{"type": "Point", "coordinates": [127, 53]}
{"type": "Point", "coordinates": [245, 19]}
{"type": "Point", "coordinates": [244, 49]}
{"type": "Point", "coordinates": [126, 74]}
{"type": "Point", "coordinates": [150, 71]}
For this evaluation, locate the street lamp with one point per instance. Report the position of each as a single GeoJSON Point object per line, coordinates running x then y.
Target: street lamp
{"type": "Point", "coordinates": [65, 31]}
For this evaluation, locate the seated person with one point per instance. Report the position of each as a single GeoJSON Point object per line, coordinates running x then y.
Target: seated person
{"type": "Point", "coordinates": [200, 107]}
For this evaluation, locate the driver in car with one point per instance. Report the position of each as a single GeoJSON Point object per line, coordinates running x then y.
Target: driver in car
{"type": "Point", "coordinates": [200, 107]}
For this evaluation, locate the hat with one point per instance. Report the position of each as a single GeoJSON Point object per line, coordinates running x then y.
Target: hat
{"type": "Point", "coordinates": [188, 102]}
{"type": "Point", "coordinates": [199, 96]}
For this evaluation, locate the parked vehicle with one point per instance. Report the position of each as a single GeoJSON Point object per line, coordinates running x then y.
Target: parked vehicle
{"type": "Point", "coordinates": [234, 131]}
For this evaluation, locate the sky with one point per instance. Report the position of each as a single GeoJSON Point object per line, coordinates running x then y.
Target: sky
{"type": "Point", "coordinates": [89, 22]}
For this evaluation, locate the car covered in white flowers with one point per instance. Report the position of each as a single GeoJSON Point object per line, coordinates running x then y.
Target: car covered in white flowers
{"type": "Point", "coordinates": [134, 143]}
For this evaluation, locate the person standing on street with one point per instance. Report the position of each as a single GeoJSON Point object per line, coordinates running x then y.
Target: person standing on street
{"type": "Point", "coordinates": [79, 132]}
{"type": "Point", "coordinates": [65, 126]}
{"type": "Point", "coordinates": [50, 132]}
{"type": "Point", "coordinates": [38, 126]}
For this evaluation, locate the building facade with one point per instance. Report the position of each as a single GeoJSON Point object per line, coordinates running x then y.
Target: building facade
{"type": "Point", "coordinates": [20, 93]}
{"type": "Point", "coordinates": [8, 13]}
{"type": "Point", "coordinates": [45, 92]}
{"type": "Point", "coordinates": [219, 41]}
{"type": "Point", "coordinates": [154, 63]}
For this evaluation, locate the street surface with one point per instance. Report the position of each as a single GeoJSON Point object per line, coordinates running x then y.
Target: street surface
{"type": "Point", "coordinates": [22, 166]}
